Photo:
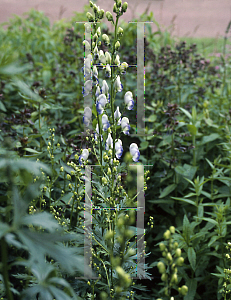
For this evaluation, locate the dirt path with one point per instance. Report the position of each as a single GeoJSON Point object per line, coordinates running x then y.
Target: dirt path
{"type": "Point", "coordinates": [197, 18]}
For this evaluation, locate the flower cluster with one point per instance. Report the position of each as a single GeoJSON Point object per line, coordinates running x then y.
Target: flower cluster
{"type": "Point", "coordinates": [108, 118]}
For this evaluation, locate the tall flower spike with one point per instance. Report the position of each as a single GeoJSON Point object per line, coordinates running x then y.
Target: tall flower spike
{"type": "Point", "coordinates": [119, 149]}
{"type": "Point", "coordinates": [83, 156]}
{"type": "Point", "coordinates": [118, 84]}
{"type": "Point", "coordinates": [125, 125]}
{"type": "Point", "coordinates": [128, 99]}
{"type": "Point", "coordinates": [134, 150]}
{"type": "Point", "coordinates": [117, 115]}
{"type": "Point", "coordinates": [105, 122]}
{"type": "Point", "coordinates": [100, 104]}
{"type": "Point", "coordinates": [109, 142]}
{"type": "Point", "coordinates": [87, 116]}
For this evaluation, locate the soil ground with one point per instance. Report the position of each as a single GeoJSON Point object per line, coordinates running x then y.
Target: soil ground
{"type": "Point", "coordinates": [195, 18]}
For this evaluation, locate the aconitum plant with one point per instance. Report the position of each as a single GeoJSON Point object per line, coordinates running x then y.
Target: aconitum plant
{"type": "Point", "coordinates": [112, 209]}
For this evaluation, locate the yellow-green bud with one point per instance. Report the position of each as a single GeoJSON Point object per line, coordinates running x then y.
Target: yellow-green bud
{"type": "Point", "coordinates": [120, 31]}
{"type": "Point", "coordinates": [164, 277]}
{"type": "Point", "coordinates": [179, 261]}
{"type": "Point", "coordinates": [175, 245]}
{"type": "Point", "coordinates": [109, 171]}
{"type": "Point", "coordinates": [115, 8]}
{"type": "Point", "coordinates": [104, 180]}
{"type": "Point", "coordinates": [169, 256]}
{"type": "Point", "coordinates": [124, 7]}
{"type": "Point", "coordinates": [161, 267]}
{"type": "Point", "coordinates": [109, 16]}
{"type": "Point", "coordinates": [174, 278]}
{"type": "Point", "coordinates": [101, 14]}
{"type": "Point", "coordinates": [172, 229]}
{"type": "Point", "coordinates": [109, 234]}
{"type": "Point", "coordinates": [95, 8]}
{"type": "Point", "coordinates": [162, 246]}
{"type": "Point", "coordinates": [167, 234]}
{"type": "Point", "coordinates": [118, 3]}
{"type": "Point", "coordinates": [117, 45]}
{"type": "Point", "coordinates": [108, 57]}
{"type": "Point", "coordinates": [98, 31]}
{"type": "Point", "coordinates": [178, 252]}
{"type": "Point", "coordinates": [61, 169]}
{"type": "Point", "coordinates": [90, 17]}
{"type": "Point", "coordinates": [184, 290]}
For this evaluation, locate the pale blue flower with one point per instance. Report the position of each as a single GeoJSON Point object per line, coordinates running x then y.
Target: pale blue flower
{"type": "Point", "coordinates": [119, 149]}
{"type": "Point", "coordinates": [125, 125]}
{"type": "Point", "coordinates": [109, 142]}
{"type": "Point", "coordinates": [87, 88]}
{"type": "Point", "coordinates": [134, 152]}
{"type": "Point", "coordinates": [100, 104]}
{"type": "Point", "coordinates": [128, 99]}
{"type": "Point", "coordinates": [118, 85]}
{"type": "Point", "coordinates": [83, 156]}
{"type": "Point", "coordinates": [105, 122]}
{"type": "Point", "coordinates": [87, 116]}
{"type": "Point", "coordinates": [117, 115]}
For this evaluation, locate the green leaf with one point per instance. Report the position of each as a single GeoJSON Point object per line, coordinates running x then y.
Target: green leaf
{"type": "Point", "coordinates": [168, 190]}
{"type": "Point", "coordinates": [192, 257]}
{"type": "Point", "coordinates": [3, 229]}
{"type": "Point", "coordinates": [192, 129]}
{"type": "Point", "coordinates": [185, 200]}
{"type": "Point", "coordinates": [186, 113]}
{"type": "Point", "coordinates": [44, 219]}
{"type": "Point", "coordinates": [186, 228]}
{"type": "Point", "coordinates": [192, 287]}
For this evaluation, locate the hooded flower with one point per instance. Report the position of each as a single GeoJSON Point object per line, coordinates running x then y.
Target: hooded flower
{"type": "Point", "coordinates": [97, 134]}
{"type": "Point", "coordinates": [125, 125]}
{"type": "Point", "coordinates": [87, 116]}
{"type": "Point", "coordinates": [105, 122]}
{"type": "Point", "coordinates": [117, 116]}
{"type": "Point", "coordinates": [134, 152]}
{"type": "Point", "coordinates": [128, 99]}
{"type": "Point", "coordinates": [83, 156]}
{"type": "Point", "coordinates": [100, 104]}
{"type": "Point", "coordinates": [109, 142]}
{"type": "Point", "coordinates": [105, 89]}
{"type": "Point", "coordinates": [118, 85]}
{"type": "Point", "coordinates": [95, 74]}
{"type": "Point", "coordinates": [119, 149]}
{"type": "Point", "coordinates": [87, 88]}
{"type": "Point", "coordinates": [97, 93]}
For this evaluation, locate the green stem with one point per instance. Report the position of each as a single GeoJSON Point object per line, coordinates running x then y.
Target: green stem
{"type": "Point", "coordinates": [5, 270]}
{"type": "Point", "coordinates": [194, 150]}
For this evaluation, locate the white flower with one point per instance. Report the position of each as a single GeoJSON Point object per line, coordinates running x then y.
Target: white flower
{"type": "Point", "coordinates": [97, 93]}
{"type": "Point", "coordinates": [117, 115]}
{"type": "Point", "coordinates": [87, 88]}
{"type": "Point", "coordinates": [87, 116]}
{"type": "Point", "coordinates": [108, 70]}
{"type": "Point", "coordinates": [105, 89]}
{"type": "Point", "coordinates": [95, 73]}
{"type": "Point", "coordinates": [100, 104]}
{"type": "Point", "coordinates": [105, 122]}
{"type": "Point", "coordinates": [108, 57]}
{"type": "Point", "coordinates": [83, 156]}
{"type": "Point", "coordinates": [118, 84]}
{"type": "Point", "coordinates": [134, 152]}
{"type": "Point", "coordinates": [97, 134]}
{"type": "Point", "coordinates": [128, 99]}
{"type": "Point", "coordinates": [125, 125]}
{"type": "Point", "coordinates": [102, 58]}
{"type": "Point", "coordinates": [109, 142]}
{"type": "Point", "coordinates": [119, 149]}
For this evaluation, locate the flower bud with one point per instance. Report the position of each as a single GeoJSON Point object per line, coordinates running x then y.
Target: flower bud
{"type": "Point", "coordinates": [95, 37]}
{"type": "Point", "coordinates": [174, 278]}
{"type": "Point", "coordinates": [167, 235]}
{"type": "Point", "coordinates": [175, 245]}
{"type": "Point", "coordinates": [172, 229]}
{"type": "Point", "coordinates": [101, 14]}
{"type": "Point", "coordinates": [117, 60]}
{"type": "Point", "coordinates": [117, 45]}
{"type": "Point", "coordinates": [178, 252]}
{"type": "Point", "coordinates": [162, 246]}
{"type": "Point", "coordinates": [161, 267]}
{"type": "Point", "coordinates": [108, 171]}
{"type": "Point", "coordinates": [98, 31]}
{"type": "Point", "coordinates": [95, 8]}
{"type": "Point", "coordinates": [105, 39]}
{"type": "Point", "coordinates": [184, 290]}
{"type": "Point", "coordinates": [108, 58]}
{"type": "Point", "coordinates": [118, 3]}
{"type": "Point", "coordinates": [109, 234]}
{"type": "Point", "coordinates": [120, 31]}
{"type": "Point", "coordinates": [179, 261]}
{"type": "Point", "coordinates": [109, 16]}
{"type": "Point", "coordinates": [164, 277]}
{"type": "Point", "coordinates": [91, 4]}
{"type": "Point", "coordinates": [124, 7]}
{"type": "Point", "coordinates": [115, 9]}
{"type": "Point", "coordinates": [169, 256]}
{"type": "Point", "coordinates": [90, 17]}
{"type": "Point", "coordinates": [104, 180]}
